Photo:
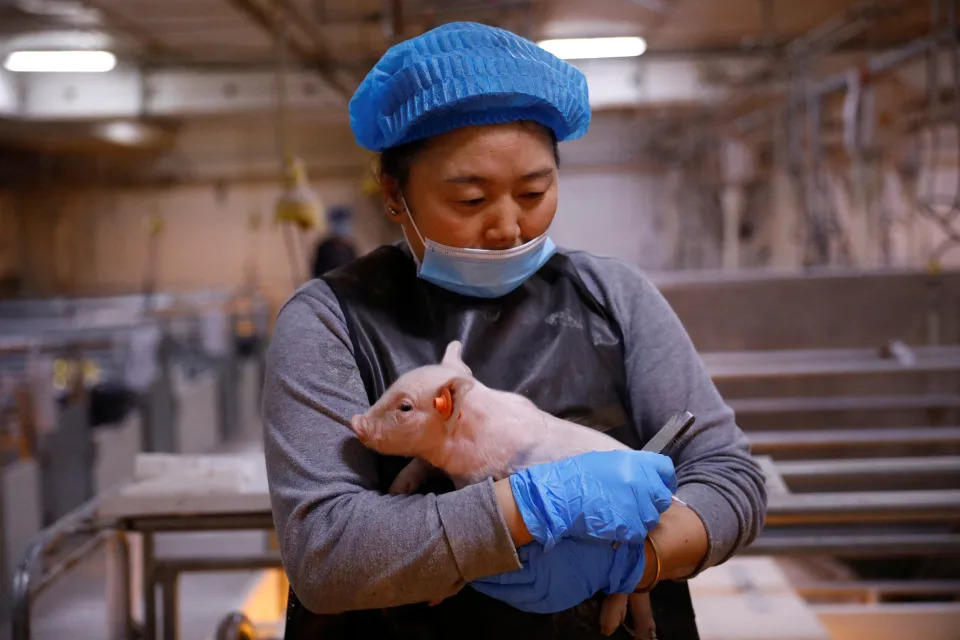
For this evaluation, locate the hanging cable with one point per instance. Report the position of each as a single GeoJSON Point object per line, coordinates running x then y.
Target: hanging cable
{"type": "Point", "coordinates": [281, 131]}
{"type": "Point", "coordinates": [297, 209]}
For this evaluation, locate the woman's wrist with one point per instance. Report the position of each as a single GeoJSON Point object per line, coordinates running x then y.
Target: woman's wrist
{"type": "Point", "coordinates": [681, 545]}
{"type": "Point", "coordinates": [511, 513]}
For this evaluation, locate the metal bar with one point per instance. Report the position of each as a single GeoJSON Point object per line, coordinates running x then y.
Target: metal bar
{"type": "Point", "coordinates": [72, 559]}
{"type": "Point", "coordinates": [24, 588]}
{"type": "Point", "coordinates": [844, 403]}
{"type": "Point", "coordinates": [768, 442]}
{"type": "Point", "coordinates": [201, 522]}
{"type": "Point", "coordinates": [230, 563]}
{"type": "Point", "coordinates": [856, 545]}
{"type": "Point", "coordinates": [871, 474]}
{"type": "Point", "coordinates": [321, 52]}
{"type": "Point", "coordinates": [884, 587]}
{"type": "Point", "coordinates": [876, 65]}
{"type": "Point", "coordinates": [149, 589]}
{"type": "Point", "coordinates": [856, 17]}
{"type": "Point", "coordinates": [118, 587]}
{"type": "Point", "coordinates": [154, 46]}
{"type": "Point", "coordinates": [863, 506]}
{"type": "Point", "coordinates": [791, 470]}
{"type": "Point", "coordinates": [268, 22]}
{"type": "Point", "coordinates": [171, 601]}
{"type": "Point", "coordinates": [881, 63]}
{"type": "Point", "coordinates": [723, 367]}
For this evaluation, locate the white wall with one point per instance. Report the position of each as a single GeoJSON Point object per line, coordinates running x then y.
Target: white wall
{"type": "Point", "coordinates": [619, 213]}
{"type": "Point", "coordinates": [9, 98]}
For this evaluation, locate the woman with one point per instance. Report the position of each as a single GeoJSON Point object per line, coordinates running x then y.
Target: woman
{"type": "Point", "coordinates": [467, 120]}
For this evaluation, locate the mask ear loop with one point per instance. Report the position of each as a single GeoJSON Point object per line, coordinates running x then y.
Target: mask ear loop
{"type": "Point", "coordinates": [412, 224]}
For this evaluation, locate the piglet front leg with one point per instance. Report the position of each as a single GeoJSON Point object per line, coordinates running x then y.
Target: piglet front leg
{"type": "Point", "coordinates": [411, 477]}
{"type": "Point", "coordinates": [612, 613]}
{"type": "Point", "coordinates": [641, 610]}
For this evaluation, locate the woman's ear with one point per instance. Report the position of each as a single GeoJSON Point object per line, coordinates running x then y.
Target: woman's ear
{"type": "Point", "coordinates": [390, 194]}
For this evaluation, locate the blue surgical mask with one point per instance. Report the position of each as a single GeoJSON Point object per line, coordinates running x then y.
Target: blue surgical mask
{"type": "Point", "coordinates": [481, 273]}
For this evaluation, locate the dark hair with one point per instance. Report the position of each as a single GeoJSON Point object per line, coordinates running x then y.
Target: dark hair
{"type": "Point", "coordinates": [395, 162]}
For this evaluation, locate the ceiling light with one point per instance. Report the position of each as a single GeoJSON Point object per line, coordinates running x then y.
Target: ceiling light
{"type": "Point", "coordinates": [121, 132]}
{"type": "Point", "coordinates": [60, 61]}
{"type": "Point", "coordinates": [582, 48]}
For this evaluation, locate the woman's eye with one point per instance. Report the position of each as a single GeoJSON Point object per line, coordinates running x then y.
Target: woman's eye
{"type": "Point", "coordinates": [533, 195]}
{"type": "Point", "coordinates": [406, 406]}
{"type": "Point", "coordinates": [473, 202]}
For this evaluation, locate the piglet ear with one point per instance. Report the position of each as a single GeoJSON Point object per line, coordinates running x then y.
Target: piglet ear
{"type": "Point", "coordinates": [448, 400]}
{"type": "Point", "coordinates": [451, 358]}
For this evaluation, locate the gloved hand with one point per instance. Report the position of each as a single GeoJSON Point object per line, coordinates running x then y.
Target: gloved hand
{"type": "Point", "coordinates": [573, 571]}
{"type": "Point", "coordinates": [606, 495]}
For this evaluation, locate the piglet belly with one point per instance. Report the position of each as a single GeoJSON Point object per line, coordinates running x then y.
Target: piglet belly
{"type": "Point", "coordinates": [562, 440]}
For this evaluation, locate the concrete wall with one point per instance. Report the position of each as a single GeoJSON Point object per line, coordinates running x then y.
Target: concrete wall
{"type": "Point", "coordinates": [94, 240]}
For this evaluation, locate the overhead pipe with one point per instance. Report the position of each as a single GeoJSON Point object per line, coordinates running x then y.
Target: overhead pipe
{"type": "Point", "coordinates": [881, 63]}
{"type": "Point", "coordinates": [878, 64]}
{"type": "Point", "coordinates": [392, 20]}
{"type": "Point", "coordinates": [267, 20]}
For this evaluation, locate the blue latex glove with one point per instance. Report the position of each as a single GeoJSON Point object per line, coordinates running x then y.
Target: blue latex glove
{"type": "Point", "coordinates": [607, 495]}
{"type": "Point", "coordinates": [562, 578]}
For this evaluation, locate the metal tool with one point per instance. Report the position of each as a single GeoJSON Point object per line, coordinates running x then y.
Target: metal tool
{"type": "Point", "coordinates": [670, 433]}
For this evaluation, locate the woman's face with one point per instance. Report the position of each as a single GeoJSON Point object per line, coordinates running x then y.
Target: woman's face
{"type": "Point", "coordinates": [480, 187]}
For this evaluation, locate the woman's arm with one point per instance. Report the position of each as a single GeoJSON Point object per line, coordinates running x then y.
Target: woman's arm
{"type": "Point", "coordinates": [519, 533]}
{"type": "Point", "coordinates": [345, 545]}
{"type": "Point", "coordinates": [717, 477]}
{"type": "Point", "coordinates": [680, 536]}
{"type": "Point", "coordinates": [682, 543]}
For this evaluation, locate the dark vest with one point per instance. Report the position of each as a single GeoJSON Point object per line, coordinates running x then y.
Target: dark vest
{"type": "Point", "coordinates": [549, 340]}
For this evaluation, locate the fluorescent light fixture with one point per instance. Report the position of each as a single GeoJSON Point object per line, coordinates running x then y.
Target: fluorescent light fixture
{"type": "Point", "coordinates": [584, 48]}
{"type": "Point", "coordinates": [60, 61]}
{"type": "Point", "coordinates": [122, 132]}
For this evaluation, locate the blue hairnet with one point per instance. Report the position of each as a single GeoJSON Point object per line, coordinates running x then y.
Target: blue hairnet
{"type": "Point", "coordinates": [465, 73]}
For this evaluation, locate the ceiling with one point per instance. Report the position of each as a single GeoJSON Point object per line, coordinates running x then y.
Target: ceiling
{"type": "Point", "coordinates": [352, 34]}
{"type": "Point", "coordinates": [740, 45]}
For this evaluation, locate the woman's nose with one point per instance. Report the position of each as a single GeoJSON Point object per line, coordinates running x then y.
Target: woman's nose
{"type": "Point", "coordinates": [504, 231]}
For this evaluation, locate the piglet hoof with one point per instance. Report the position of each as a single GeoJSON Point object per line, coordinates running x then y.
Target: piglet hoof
{"type": "Point", "coordinates": [641, 610]}
{"type": "Point", "coordinates": [613, 613]}
{"type": "Point", "coordinates": [403, 486]}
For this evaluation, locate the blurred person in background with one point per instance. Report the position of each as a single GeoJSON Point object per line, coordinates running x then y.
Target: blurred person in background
{"type": "Point", "coordinates": [337, 248]}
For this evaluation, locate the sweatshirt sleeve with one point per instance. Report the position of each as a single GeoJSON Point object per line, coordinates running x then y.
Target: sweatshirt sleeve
{"type": "Point", "coordinates": [344, 545]}
{"type": "Point", "coordinates": [717, 476]}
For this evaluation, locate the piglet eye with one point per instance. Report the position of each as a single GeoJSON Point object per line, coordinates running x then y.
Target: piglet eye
{"type": "Point", "coordinates": [406, 406]}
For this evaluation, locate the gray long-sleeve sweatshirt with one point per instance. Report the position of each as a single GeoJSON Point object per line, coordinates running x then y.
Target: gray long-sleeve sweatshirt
{"type": "Point", "coordinates": [345, 546]}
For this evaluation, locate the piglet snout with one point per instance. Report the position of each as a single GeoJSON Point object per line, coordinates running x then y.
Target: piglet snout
{"type": "Point", "coordinates": [360, 427]}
